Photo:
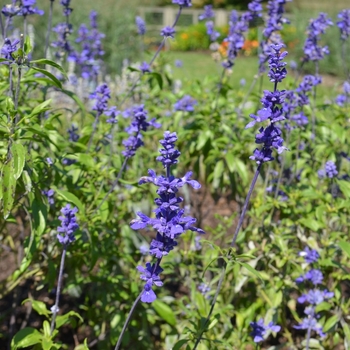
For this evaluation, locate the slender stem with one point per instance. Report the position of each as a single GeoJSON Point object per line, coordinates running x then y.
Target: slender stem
{"type": "Point", "coordinates": [223, 270]}
{"type": "Point", "coordinates": [245, 206]}
{"type": "Point", "coordinates": [221, 280]}
{"type": "Point", "coordinates": [59, 284]}
{"type": "Point", "coordinates": [218, 92]}
{"type": "Point", "coordinates": [17, 92]}
{"type": "Point", "coordinates": [25, 25]}
{"type": "Point", "coordinates": [2, 28]}
{"type": "Point", "coordinates": [94, 127]}
{"type": "Point", "coordinates": [114, 184]}
{"type": "Point", "coordinates": [49, 27]}
{"type": "Point", "coordinates": [7, 23]}
{"type": "Point", "coordinates": [152, 60]}
{"type": "Point", "coordinates": [127, 321]}
{"type": "Point", "coordinates": [11, 83]}
{"type": "Point", "coordinates": [252, 85]}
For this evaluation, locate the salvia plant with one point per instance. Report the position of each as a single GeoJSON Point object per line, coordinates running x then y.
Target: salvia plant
{"type": "Point", "coordinates": [257, 257]}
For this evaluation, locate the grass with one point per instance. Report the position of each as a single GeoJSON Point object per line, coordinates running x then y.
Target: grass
{"type": "Point", "coordinates": [200, 65]}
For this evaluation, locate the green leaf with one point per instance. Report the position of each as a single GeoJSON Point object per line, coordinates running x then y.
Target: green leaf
{"type": "Point", "coordinates": [331, 322]}
{"type": "Point", "coordinates": [8, 187]}
{"type": "Point", "coordinates": [344, 187]}
{"type": "Point", "coordinates": [218, 171]}
{"type": "Point", "coordinates": [19, 155]}
{"type": "Point", "coordinates": [230, 161]}
{"type": "Point", "coordinates": [26, 337]}
{"type": "Point", "coordinates": [82, 346]}
{"type": "Point", "coordinates": [4, 60]}
{"type": "Point", "coordinates": [251, 270]}
{"type": "Point", "coordinates": [180, 344]}
{"type": "Point", "coordinates": [27, 45]}
{"type": "Point", "coordinates": [38, 306]}
{"type": "Point", "coordinates": [310, 223]}
{"type": "Point", "coordinates": [42, 107]}
{"type": "Point", "coordinates": [46, 328]}
{"type": "Point", "coordinates": [39, 216]}
{"type": "Point", "coordinates": [345, 246]}
{"type": "Point", "coordinates": [159, 79]}
{"type": "Point", "coordinates": [52, 64]}
{"type": "Point", "coordinates": [47, 344]}
{"type": "Point", "coordinates": [63, 319]}
{"type": "Point", "coordinates": [74, 97]}
{"type": "Point", "coordinates": [165, 312]}
{"type": "Point", "coordinates": [70, 197]}
{"type": "Point", "coordinates": [54, 80]}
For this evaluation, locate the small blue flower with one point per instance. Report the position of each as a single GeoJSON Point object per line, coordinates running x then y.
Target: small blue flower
{"type": "Point", "coordinates": [310, 255]}
{"type": "Point", "coordinates": [141, 25]}
{"type": "Point", "coordinates": [259, 329]}
{"type": "Point", "coordinates": [68, 225]}
{"type": "Point", "coordinates": [185, 104]}
{"type": "Point", "coordinates": [168, 32]}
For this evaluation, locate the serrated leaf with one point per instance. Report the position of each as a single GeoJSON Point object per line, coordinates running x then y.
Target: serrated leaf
{"type": "Point", "coordinates": [26, 337]}
{"type": "Point", "coordinates": [345, 247]}
{"type": "Point", "coordinates": [54, 80]}
{"type": "Point", "coordinates": [19, 155]}
{"type": "Point", "coordinates": [70, 197]}
{"type": "Point", "coordinates": [165, 312]}
{"type": "Point", "coordinates": [8, 187]}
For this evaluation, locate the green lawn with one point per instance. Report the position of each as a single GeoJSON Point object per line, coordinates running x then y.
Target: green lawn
{"type": "Point", "coordinates": [200, 65]}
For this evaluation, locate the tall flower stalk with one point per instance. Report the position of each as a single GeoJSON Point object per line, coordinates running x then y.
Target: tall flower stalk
{"type": "Point", "coordinates": [65, 237]}
{"type": "Point", "coordinates": [182, 4]}
{"type": "Point", "coordinates": [269, 138]}
{"type": "Point", "coordinates": [170, 221]}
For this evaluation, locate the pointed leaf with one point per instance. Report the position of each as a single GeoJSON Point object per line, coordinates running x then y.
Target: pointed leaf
{"type": "Point", "coordinates": [52, 64]}
{"type": "Point", "coordinates": [345, 246]}
{"type": "Point", "coordinates": [165, 312]}
{"type": "Point", "coordinates": [251, 270]}
{"type": "Point", "coordinates": [8, 187]}
{"type": "Point", "coordinates": [38, 306]}
{"type": "Point", "coordinates": [26, 337]}
{"type": "Point", "coordinates": [70, 197]}
{"type": "Point", "coordinates": [54, 80]}
{"type": "Point", "coordinates": [19, 154]}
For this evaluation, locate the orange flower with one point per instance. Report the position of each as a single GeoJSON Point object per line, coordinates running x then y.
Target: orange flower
{"type": "Point", "coordinates": [184, 36]}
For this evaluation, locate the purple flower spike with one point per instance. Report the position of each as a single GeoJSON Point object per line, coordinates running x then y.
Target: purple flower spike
{"type": "Point", "coordinates": [170, 220]}
{"type": "Point", "coordinates": [185, 104]}
{"type": "Point", "coordinates": [344, 23]}
{"type": "Point", "coordinates": [138, 124]}
{"type": "Point", "coordinates": [208, 13]}
{"type": "Point", "coordinates": [68, 225]}
{"type": "Point", "coordinates": [112, 112]}
{"type": "Point", "coordinates": [102, 94]}
{"type": "Point", "coordinates": [211, 31]}
{"type": "Point", "coordinates": [183, 3]}
{"type": "Point", "coordinates": [9, 48]}
{"type": "Point", "coordinates": [141, 25]}
{"type": "Point", "coordinates": [259, 330]}
{"type": "Point", "coordinates": [145, 68]}
{"type": "Point", "coordinates": [271, 136]}
{"type": "Point", "coordinates": [168, 32]}
{"type": "Point", "coordinates": [330, 170]}
{"type": "Point", "coordinates": [312, 50]}
{"type": "Point", "coordinates": [310, 255]}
